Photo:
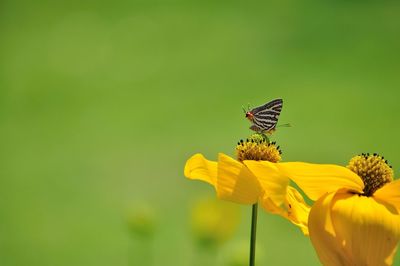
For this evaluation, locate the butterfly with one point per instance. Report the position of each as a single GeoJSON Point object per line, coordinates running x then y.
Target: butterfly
{"type": "Point", "coordinates": [265, 117]}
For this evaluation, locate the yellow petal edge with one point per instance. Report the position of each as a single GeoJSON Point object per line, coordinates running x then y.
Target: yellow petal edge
{"type": "Point", "coordinates": [390, 193]}
{"type": "Point", "coordinates": [235, 182]}
{"type": "Point", "coordinates": [273, 183]}
{"type": "Point", "coordinates": [369, 230]}
{"type": "Point", "coordinates": [199, 168]}
{"type": "Point", "coordinates": [231, 179]}
{"type": "Point", "coordinates": [323, 235]}
{"type": "Point", "coordinates": [317, 179]}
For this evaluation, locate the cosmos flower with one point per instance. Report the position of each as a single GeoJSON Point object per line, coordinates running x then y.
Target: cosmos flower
{"type": "Point", "coordinates": [243, 181]}
{"type": "Point", "coordinates": [355, 218]}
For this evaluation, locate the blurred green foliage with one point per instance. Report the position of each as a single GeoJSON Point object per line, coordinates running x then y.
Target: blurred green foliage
{"type": "Point", "coordinates": [101, 103]}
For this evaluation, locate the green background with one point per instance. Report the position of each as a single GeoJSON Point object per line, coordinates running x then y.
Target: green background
{"type": "Point", "coordinates": [101, 103]}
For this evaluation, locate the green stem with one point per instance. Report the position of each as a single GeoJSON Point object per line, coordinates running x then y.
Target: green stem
{"type": "Point", "coordinates": [253, 234]}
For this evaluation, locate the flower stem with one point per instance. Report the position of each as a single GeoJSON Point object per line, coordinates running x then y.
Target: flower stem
{"type": "Point", "coordinates": [253, 234]}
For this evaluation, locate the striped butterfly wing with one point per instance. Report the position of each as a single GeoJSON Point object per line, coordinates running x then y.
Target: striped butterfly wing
{"type": "Point", "coordinates": [265, 117]}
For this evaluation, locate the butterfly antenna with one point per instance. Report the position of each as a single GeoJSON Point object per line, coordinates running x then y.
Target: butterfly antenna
{"type": "Point", "coordinates": [244, 110]}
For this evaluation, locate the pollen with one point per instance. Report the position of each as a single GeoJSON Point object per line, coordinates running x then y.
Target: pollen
{"type": "Point", "coordinates": [258, 148]}
{"type": "Point", "coordinates": [373, 169]}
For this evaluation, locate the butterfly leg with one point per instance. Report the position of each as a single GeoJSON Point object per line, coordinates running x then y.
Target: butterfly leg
{"type": "Point", "coordinates": [269, 132]}
{"type": "Point", "coordinates": [255, 128]}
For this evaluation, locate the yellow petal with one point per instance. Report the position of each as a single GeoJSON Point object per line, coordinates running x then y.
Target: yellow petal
{"type": "Point", "coordinates": [235, 182]}
{"type": "Point", "coordinates": [298, 210]}
{"type": "Point", "coordinates": [369, 230]}
{"type": "Point", "coordinates": [294, 208]}
{"type": "Point", "coordinates": [198, 167]}
{"type": "Point", "coordinates": [323, 235]}
{"type": "Point", "coordinates": [317, 179]}
{"type": "Point", "coordinates": [390, 193]}
{"type": "Point", "coordinates": [271, 181]}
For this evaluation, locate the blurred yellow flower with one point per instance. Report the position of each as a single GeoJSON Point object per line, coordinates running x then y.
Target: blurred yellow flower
{"type": "Point", "coordinates": [236, 254]}
{"type": "Point", "coordinates": [243, 181]}
{"type": "Point", "coordinates": [213, 222]}
{"type": "Point", "coordinates": [355, 219]}
{"type": "Point", "coordinates": [141, 221]}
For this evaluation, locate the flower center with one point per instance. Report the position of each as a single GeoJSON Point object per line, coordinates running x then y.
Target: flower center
{"type": "Point", "coordinates": [258, 148]}
{"type": "Point", "coordinates": [373, 169]}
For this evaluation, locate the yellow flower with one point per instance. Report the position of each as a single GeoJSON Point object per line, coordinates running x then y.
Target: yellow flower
{"type": "Point", "coordinates": [213, 222]}
{"type": "Point", "coordinates": [142, 221]}
{"type": "Point", "coordinates": [355, 219]}
{"type": "Point", "coordinates": [234, 181]}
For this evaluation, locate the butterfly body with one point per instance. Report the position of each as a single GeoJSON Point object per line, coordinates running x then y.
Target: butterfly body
{"type": "Point", "coordinates": [265, 117]}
